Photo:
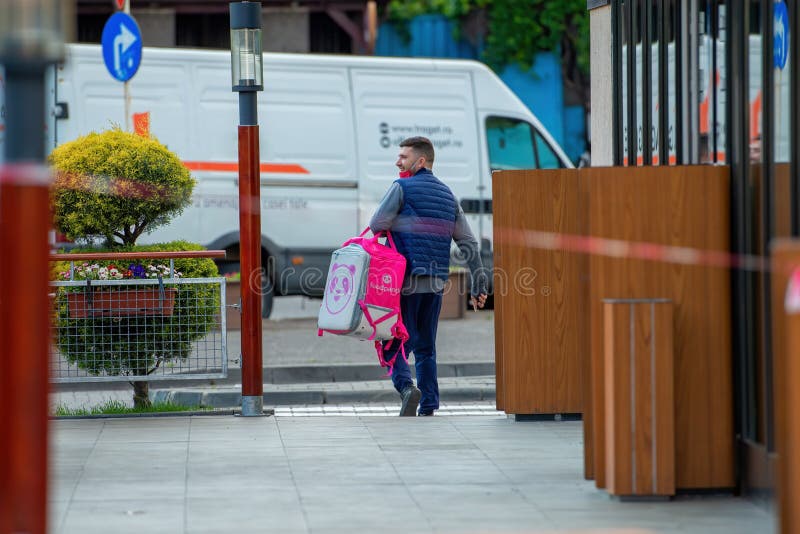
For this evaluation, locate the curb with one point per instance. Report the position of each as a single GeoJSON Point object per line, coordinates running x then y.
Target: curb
{"type": "Point", "coordinates": [232, 399]}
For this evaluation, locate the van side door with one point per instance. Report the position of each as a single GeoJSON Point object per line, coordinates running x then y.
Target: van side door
{"type": "Point", "coordinates": [412, 99]}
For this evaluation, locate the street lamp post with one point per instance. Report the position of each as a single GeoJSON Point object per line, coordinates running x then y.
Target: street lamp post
{"type": "Point", "coordinates": [247, 79]}
{"type": "Point", "coordinates": [31, 39]}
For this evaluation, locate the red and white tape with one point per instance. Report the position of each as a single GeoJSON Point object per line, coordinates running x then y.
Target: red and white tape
{"type": "Point", "coordinates": [617, 248]}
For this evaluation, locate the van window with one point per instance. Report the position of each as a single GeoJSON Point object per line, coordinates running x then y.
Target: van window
{"type": "Point", "coordinates": [547, 158]}
{"type": "Point", "coordinates": [515, 144]}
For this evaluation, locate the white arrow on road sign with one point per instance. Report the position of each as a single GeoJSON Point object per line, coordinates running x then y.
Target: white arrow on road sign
{"type": "Point", "coordinates": [122, 46]}
{"type": "Point", "coordinates": [124, 39]}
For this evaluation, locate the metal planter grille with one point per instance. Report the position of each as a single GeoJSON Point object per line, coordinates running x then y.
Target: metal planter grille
{"type": "Point", "coordinates": [139, 330]}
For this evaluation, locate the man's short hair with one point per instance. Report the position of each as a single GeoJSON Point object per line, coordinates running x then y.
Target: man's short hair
{"type": "Point", "coordinates": [420, 145]}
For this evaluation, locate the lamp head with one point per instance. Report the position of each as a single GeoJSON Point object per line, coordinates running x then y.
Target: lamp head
{"type": "Point", "coordinates": [246, 47]}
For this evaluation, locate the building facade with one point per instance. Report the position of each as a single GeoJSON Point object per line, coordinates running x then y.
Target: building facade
{"type": "Point", "coordinates": [332, 26]}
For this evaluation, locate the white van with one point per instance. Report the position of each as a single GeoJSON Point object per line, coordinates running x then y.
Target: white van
{"type": "Point", "coordinates": [330, 128]}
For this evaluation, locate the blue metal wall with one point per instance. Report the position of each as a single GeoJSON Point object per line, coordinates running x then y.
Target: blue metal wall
{"type": "Point", "coordinates": [541, 88]}
{"type": "Point", "coordinates": [574, 132]}
{"type": "Point", "coordinates": [542, 91]}
{"type": "Point", "coordinates": [431, 36]}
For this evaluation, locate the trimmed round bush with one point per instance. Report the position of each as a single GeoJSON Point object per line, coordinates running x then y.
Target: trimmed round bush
{"type": "Point", "coordinates": [117, 185]}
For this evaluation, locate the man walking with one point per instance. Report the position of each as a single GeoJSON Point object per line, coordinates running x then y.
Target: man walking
{"type": "Point", "coordinates": [423, 215]}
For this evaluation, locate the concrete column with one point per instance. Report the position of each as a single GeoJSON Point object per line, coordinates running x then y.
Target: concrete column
{"type": "Point", "coordinates": [285, 30]}
{"type": "Point", "coordinates": [602, 116]}
{"type": "Point", "coordinates": [157, 26]}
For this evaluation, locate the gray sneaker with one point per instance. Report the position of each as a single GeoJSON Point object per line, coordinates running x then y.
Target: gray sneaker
{"type": "Point", "coordinates": [411, 396]}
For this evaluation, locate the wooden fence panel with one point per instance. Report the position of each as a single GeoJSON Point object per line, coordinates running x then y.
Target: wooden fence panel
{"type": "Point", "coordinates": [550, 346]}
{"type": "Point", "coordinates": [539, 294]}
{"type": "Point", "coordinates": [676, 207]}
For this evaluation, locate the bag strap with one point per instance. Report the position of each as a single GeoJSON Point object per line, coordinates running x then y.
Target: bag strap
{"type": "Point", "coordinates": [386, 233]}
{"type": "Point", "coordinates": [390, 240]}
{"type": "Point", "coordinates": [380, 348]}
{"type": "Point", "coordinates": [374, 322]}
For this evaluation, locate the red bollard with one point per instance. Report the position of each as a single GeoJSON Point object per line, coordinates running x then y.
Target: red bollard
{"type": "Point", "coordinates": [24, 346]}
{"type": "Point", "coordinates": [250, 263]}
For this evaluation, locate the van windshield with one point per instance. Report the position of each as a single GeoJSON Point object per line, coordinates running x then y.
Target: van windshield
{"type": "Point", "coordinates": [515, 144]}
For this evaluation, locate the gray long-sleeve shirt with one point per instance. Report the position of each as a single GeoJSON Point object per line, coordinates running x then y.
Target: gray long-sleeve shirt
{"type": "Point", "coordinates": [384, 218]}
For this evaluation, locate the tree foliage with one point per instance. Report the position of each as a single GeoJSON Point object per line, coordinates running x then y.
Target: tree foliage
{"type": "Point", "coordinates": [514, 31]}
{"type": "Point", "coordinates": [117, 185]}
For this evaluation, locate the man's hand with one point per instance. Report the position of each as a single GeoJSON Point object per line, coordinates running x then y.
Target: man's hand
{"type": "Point", "coordinates": [478, 302]}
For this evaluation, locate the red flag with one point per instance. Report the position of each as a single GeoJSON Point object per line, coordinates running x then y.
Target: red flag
{"type": "Point", "coordinates": [141, 124]}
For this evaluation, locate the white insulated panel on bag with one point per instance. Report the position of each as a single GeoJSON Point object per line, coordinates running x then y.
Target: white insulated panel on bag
{"type": "Point", "coordinates": [383, 329]}
{"type": "Point", "coordinates": [344, 287]}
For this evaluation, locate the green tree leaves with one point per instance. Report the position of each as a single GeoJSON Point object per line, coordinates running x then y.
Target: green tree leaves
{"type": "Point", "coordinates": [516, 30]}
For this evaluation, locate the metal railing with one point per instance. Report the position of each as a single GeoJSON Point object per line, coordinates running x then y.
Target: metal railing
{"type": "Point", "coordinates": [151, 324]}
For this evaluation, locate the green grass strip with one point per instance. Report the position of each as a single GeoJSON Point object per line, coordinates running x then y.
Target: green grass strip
{"type": "Point", "coordinates": [115, 407]}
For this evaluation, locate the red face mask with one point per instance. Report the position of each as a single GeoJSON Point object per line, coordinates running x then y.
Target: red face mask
{"type": "Point", "coordinates": [405, 174]}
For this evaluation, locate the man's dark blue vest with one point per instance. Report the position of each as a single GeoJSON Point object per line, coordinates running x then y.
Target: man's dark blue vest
{"type": "Point", "coordinates": [423, 229]}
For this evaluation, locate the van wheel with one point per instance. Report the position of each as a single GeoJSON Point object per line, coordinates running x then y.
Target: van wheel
{"type": "Point", "coordinates": [268, 296]}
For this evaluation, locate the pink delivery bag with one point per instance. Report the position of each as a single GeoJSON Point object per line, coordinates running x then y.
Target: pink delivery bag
{"type": "Point", "coordinates": [362, 294]}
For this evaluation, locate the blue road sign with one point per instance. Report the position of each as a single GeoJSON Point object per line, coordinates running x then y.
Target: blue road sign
{"type": "Point", "coordinates": [122, 46]}
{"type": "Point", "coordinates": [781, 35]}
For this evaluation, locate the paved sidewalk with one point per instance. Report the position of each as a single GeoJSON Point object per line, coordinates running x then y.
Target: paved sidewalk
{"type": "Point", "coordinates": [357, 474]}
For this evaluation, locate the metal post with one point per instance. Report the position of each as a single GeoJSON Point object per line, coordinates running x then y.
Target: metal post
{"type": "Point", "coordinates": [632, 32]}
{"type": "Point", "coordinates": [647, 82]}
{"type": "Point", "coordinates": [250, 261]}
{"type": "Point", "coordinates": [767, 210]}
{"type": "Point", "coordinates": [247, 80]}
{"type": "Point", "coordinates": [711, 142]}
{"type": "Point", "coordinates": [24, 341]}
{"type": "Point", "coordinates": [737, 105]}
{"type": "Point", "coordinates": [126, 88]}
{"type": "Point", "coordinates": [693, 78]}
{"type": "Point", "coordinates": [663, 83]}
{"type": "Point", "coordinates": [794, 122]}
{"type": "Point", "coordinates": [30, 41]}
{"type": "Point", "coordinates": [679, 77]}
{"type": "Point", "coordinates": [616, 77]}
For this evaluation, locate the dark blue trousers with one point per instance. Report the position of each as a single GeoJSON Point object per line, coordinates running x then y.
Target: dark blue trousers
{"type": "Point", "coordinates": [421, 316]}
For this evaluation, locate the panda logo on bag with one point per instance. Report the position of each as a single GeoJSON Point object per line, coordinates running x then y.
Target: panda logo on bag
{"type": "Point", "coordinates": [340, 287]}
